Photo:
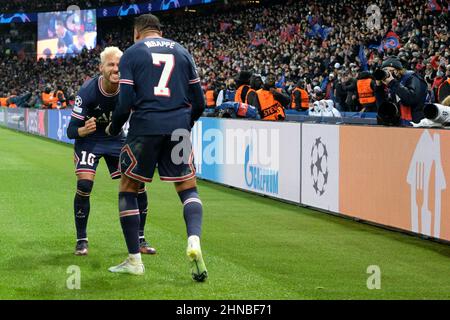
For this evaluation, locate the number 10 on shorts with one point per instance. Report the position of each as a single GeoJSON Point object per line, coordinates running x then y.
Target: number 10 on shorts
{"type": "Point", "coordinates": [87, 159]}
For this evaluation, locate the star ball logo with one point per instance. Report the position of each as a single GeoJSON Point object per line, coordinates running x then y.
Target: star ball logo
{"type": "Point", "coordinates": [319, 166]}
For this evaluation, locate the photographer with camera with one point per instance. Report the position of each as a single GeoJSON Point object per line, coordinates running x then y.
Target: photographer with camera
{"type": "Point", "coordinates": [406, 89]}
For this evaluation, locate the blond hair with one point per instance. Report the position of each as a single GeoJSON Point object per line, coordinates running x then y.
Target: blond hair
{"type": "Point", "coordinates": [446, 101]}
{"type": "Point", "coordinates": [109, 51]}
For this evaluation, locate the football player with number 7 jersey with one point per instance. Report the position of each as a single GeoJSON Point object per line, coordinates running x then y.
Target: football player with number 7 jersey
{"type": "Point", "coordinates": [160, 84]}
{"type": "Point", "coordinates": [91, 114]}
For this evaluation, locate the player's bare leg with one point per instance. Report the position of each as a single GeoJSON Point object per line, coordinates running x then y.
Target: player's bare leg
{"type": "Point", "coordinates": [144, 246]}
{"type": "Point", "coordinates": [85, 182]}
{"type": "Point", "coordinates": [193, 215]}
{"type": "Point", "coordinates": [129, 220]}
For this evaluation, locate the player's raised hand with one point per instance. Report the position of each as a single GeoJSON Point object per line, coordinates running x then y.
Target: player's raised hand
{"type": "Point", "coordinates": [89, 127]}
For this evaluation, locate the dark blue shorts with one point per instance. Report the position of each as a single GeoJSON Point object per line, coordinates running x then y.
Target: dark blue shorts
{"type": "Point", "coordinates": [142, 154]}
{"type": "Point", "coordinates": [89, 152]}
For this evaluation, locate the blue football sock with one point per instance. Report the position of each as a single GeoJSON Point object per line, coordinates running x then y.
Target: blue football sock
{"type": "Point", "coordinates": [129, 220]}
{"type": "Point", "coordinates": [143, 209]}
{"type": "Point", "coordinates": [193, 211]}
{"type": "Point", "coordinates": [82, 207]}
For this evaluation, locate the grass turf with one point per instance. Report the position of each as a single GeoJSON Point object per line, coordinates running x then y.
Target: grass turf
{"type": "Point", "coordinates": [254, 248]}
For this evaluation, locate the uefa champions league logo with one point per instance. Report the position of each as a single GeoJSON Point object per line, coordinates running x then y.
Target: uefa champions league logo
{"type": "Point", "coordinates": [168, 4]}
{"type": "Point", "coordinates": [17, 17]}
{"type": "Point", "coordinates": [319, 166]}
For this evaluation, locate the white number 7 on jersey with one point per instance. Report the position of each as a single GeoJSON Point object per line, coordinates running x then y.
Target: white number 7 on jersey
{"type": "Point", "coordinates": [169, 64]}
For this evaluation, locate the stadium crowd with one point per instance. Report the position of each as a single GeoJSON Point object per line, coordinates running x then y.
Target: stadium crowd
{"type": "Point", "coordinates": [27, 6]}
{"type": "Point", "coordinates": [327, 44]}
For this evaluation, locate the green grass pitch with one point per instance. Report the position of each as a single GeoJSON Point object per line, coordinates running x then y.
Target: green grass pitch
{"type": "Point", "coordinates": [254, 248]}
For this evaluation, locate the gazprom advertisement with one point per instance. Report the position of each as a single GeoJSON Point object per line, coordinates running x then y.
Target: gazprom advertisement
{"type": "Point", "coordinates": [255, 156]}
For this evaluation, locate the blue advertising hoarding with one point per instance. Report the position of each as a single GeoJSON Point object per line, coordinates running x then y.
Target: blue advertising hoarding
{"type": "Point", "coordinates": [58, 121]}
{"type": "Point", "coordinates": [15, 119]}
{"type": "Point", "coordinates": [247, 155]}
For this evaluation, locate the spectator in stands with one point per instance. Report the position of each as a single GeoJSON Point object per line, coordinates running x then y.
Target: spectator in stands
{"type": "Point", "coordinates": [340, 94]}
{"type": "Point", "coordinates": [228, 93]}
{"type": "Point", "coordinates": [317, 94]}
{"type": "Point", "coordinates": [266, 39]}
{"type": "Point", "coordinates": [444, 88]}
{"type": "Point", "coordinates": [329, 88]}
{"type": "Point", "coordinates": [349, 87]}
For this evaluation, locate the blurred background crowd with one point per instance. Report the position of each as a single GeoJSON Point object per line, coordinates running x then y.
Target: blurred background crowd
{"type": "Point", "coordinates": [326, 44]}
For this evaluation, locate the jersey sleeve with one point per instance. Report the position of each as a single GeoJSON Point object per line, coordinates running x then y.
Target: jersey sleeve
{"type": "Point", "coordinates": [193, 74]}
{"type": "Point", "coordinates": [126, 70]}
{"type": "Point", "coordinates": [79, 113]}
{"type": "Point", "coordinates": [126, 95]}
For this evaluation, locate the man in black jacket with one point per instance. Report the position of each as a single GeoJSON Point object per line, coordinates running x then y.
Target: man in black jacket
{"type": "Point", "coordinates": [404, 88]}
{"type": "Point", "coordinates": [349, 86]}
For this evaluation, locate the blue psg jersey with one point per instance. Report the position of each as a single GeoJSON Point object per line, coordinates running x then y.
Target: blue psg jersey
{"type": "Point", "coordinates": [160, 71]}
{"type": "Point", "coordinates": [93, 101]}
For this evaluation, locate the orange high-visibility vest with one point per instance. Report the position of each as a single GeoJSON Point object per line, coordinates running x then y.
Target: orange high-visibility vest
{"type": "Point", "coordinates": [210, 102]}
{"type": "Point", "coordinates": [271, 109]}
{"type": "Point", "coordinates": [248, 93]}
{"type": "Point", "coordinates": [3, 102]}
{"type": "Point", "coordinates": [304, 99]}
{"type": "Point", "coordinates": [237, 97]}
{"type": "Point", "coordinates": [49, 99]}
{"type": "Point", "coordinates": [365, 92]}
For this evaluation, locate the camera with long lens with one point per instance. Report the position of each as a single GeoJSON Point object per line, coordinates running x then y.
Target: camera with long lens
{"type": "Point", "coordinates": [388, 114]}
{"type": "Point", "coordinates": [380, 74]}
{"type": "Point", "coordinates": [437, 113]}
